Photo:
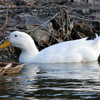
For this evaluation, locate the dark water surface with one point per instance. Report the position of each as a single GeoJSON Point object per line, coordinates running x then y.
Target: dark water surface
{"type": "Point", "coordinates": [53, 82]}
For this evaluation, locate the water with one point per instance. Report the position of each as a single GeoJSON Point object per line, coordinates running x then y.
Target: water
{"type": "Point", "coordinates": [77, 81]}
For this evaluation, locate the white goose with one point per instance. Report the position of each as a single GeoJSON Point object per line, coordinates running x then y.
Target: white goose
{"type": "Point", "coordinates": [80, 50]}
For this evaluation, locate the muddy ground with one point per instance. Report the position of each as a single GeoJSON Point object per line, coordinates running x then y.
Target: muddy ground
{"type": "Point", "coordinates": [48, 21]}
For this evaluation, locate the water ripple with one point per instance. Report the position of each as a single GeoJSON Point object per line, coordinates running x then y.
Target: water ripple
{"type": "Point", "coordinates": [53, 81]}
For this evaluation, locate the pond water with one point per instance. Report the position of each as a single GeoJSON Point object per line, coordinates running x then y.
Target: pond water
{"type": "Point", "coordinates": [76, 81]}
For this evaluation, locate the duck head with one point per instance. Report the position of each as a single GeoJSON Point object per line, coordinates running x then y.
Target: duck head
{"type": "Point", "coordinates": [18, 39]}
{"type": "Point", "coordinates": [24, 42]}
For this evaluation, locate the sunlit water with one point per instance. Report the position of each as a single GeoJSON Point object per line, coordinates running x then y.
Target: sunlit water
{"type": "Point", "coordinates": [76, 81]}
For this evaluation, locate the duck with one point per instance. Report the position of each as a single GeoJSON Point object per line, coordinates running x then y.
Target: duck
{"type": "Point", "coordinates": [80, 50]}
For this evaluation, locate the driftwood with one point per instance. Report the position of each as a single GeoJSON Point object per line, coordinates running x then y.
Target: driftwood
{"type": "Point", "coordinates": [10, 67]}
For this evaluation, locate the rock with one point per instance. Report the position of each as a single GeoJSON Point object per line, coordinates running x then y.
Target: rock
{"type": "Point", "coordinates": [97, 16]}
{"type": "Point", "coordinates": [86, 11]}
{"type": "Point", "coordinates": [42, 36]}
{"type": "Point", "coordinates": [33, 21]}
{"type": "Point", "coordinates": [1, 59]}
{"type": "Point", "coordinates": [96, 27]}
{"type": "Point", "coordinates": [2, 6]}
{"type": "Point", "coordinates": [11, 22]}
{"type": "Point", "coordinates": [77, 1]}
{"type": "Point", "coordinates": [19, 2]}
{"type": "Point", "coordinates": [2, 11]}
{"type": "Point", "coordinates": [10, 28]}
{"type": "Point", "coordinates": [83, 30]}
{"type": "Point", "coordinates": [90, 2]}
{"type": "Point", "coordinates": [29, 20]}
{"type": "Point", "coordinates": [2, 36]}
{"type": "Point", "coordinates": [50, 1]}
{"type": "Point", "coordinates": [22, 2]}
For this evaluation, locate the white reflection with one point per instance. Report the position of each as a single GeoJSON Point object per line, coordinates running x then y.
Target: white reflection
{"type": "Point", "coordinates": [34, 75]}
{"type": "Point", "coordinates": [67, 71]}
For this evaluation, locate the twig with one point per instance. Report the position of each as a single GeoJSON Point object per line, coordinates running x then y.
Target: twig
{"type": "Point", "coordinates": [86, 19]}
{"type": "Point", "coordinates": [43, 23]}
{"type": "Point", "coordinates": [6, 20]}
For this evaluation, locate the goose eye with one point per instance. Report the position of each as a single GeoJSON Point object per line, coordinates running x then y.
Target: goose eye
{"type": "Point", "coordinates": [15, 35]}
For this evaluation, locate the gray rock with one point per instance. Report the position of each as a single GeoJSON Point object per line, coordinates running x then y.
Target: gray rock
{"type": "Point", "coordinates": [1, 59]}
{"type": "Point", "coordinates": [77, 1]}
{"type": "Point", "coordinates": [50, 1]}
{"type": "Point", "coordinates": [11, 22]}
{"type": "Point", "coordinates": [42, 36]}
{"type": "Point", "coordinates": [29, 20]}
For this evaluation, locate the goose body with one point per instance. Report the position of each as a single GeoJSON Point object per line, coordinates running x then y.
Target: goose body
{"type": "Point", "coordinates": [81, 50]}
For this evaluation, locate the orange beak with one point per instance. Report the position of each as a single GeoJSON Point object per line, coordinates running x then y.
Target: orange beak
{"type": "Point", "coordinates": [5, 44]}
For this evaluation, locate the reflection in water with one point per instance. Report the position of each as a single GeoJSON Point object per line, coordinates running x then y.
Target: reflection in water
{"type": "Point", "coordinates": [39, 81]}
{"type": "Point", "coordinates": [66, 71]}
